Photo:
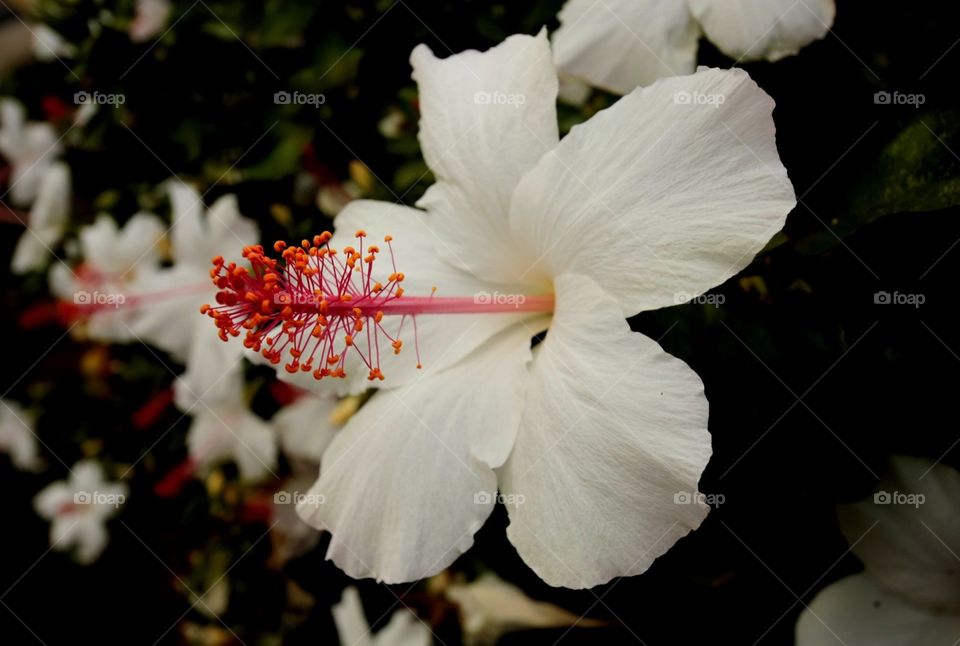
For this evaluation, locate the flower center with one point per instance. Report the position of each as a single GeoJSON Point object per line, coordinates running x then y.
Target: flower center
{"type": "Point", "coordinates": [316, 305]}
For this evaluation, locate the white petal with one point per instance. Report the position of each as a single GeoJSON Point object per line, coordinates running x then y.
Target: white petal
{"type": "Point", "coordinates": [163, 308]}
{"type": "Point", "coordinates": [404, 629]}
{"type": "Point", "coordinates": [408, 481]}
{"type": "Point", "coordinates": [17, 436]}
{"type": "Point", "coordinates": [352, 626]}
{"type": "Point", "coordinates": [491, 607]}
{"type": "Point", "coordinates": [444, 339]}
{"type": "Point", "coordinates": [48, 218]}
{"type": "Point", "coordinates": [305, 427]}
{"type": "Point", "coordinates": [214, 373]}
{"type": "Point", "coordinates": [614, 433]}
{"type": "Point", "coordinates": [53, 499]}
{"type": "Point", "coordinates": [620, 44]}
{"type": "Point", "coordinates": [749, 30]}
{"type": "Point", "coordinates": [486, 118]}
{"type": "Point", "coordinates": [909, 536]}
{"type": "Point", "coordinates": [197, 238]}
{"type": "Point", "coordinates": [655, 199]}
{"type": "Point", "coordinates": [855, 612]}
{"type": "Point", "coordinates": [91, 538]}
{"type": "Point", "coordinates": [37, 147]}
{"type": "Point", "coordinates": [232, 433]}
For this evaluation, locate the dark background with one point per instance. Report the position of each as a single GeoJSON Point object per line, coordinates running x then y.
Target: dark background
{"type": "Point", "coordinates": [811, 384]}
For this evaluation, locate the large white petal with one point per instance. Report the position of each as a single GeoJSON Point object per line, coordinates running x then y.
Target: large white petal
{"type": "Point", "coordinates": [620, 44]}
{"type": "Point", "coordinates": [486, 118]}
{"type": "Point", "coordinates": [909, 536]}
{"type": "Point", "coordinates": [763, 29]}
{"type": "Point", "coordinates": [855, 612]}
{"type": "Point", "coordinates": [613, 439]}
{"type": "Point", "coordinates": [662, 196]}
{"type": "Point", "coordinates": [444, 339]}
{"type": "Point", "coordinates": [408, 481]}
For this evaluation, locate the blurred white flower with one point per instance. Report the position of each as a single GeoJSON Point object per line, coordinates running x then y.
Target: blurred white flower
{"type": "Point", "coordinates": [224, 429]}
{"type": "Point", "coordinates": [490, 607]}
{"type": "Point", "coordinates": [620, 44]}
{"type": "Point", "coordinates": [31, 148]}
{"type": "Point", "coordinates": [150, 19]}
{"type": "Point", "coordinates": [78, 509]}
{"type": "Point", "coordinates": [597, 427]}
{"type": "Point", "coordinates": [48, 220]}
{"type": "Point", "coordinates": [306, 426]}
{"type": "Point", "coordinates": [48, 45]}
{"type": "Point", "coordinates": [403, 629]}
{"type": "Point", "coordinates": [908, 538]}
{"type": "Point", "coordinates": [17, 436]}
{"type": "Point", "coordinates": [120, 289]}
{"type": "Point", "coordinates": [106, 288]}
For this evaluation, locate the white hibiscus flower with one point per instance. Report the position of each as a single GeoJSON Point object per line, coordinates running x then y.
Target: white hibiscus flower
{"type": "Point", "coordinates": [78, 509]}
{"type": "Point", "coordinates": [403, 629]}
{"type": "Point", "coordinates": [908, 538]}
{"type": "Point", "coordinates": [17, 436]}
{"type": "Point", "coordinates": [120, 289]}
{"type": "Point", "coordinates": [597, 428]}
{"type": "Point", "coordinates": [620, 44]}
{"type": "Point", "coordinates": [104, 287]}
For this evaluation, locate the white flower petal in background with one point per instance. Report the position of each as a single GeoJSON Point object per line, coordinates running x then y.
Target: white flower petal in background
{"type": "Point", "coordinates": [655, 197]}
{"type": "Point", "coordinates": [227, 431]}
{"type": "Point", "coordinates": [78, 509]}
{"type": "Point", "coordinates": [620, 44]}
{"type": "Point", "coordinates": [47, 222]}
{"type": "Point", "coordinates": [491, 607]}
{"type": "Point", "coordinates": [48, 45]}
{"type": "Point", "coordinates": [30, 147]}
{"type": "Point", "coordinates": [617, 45]}
{"type": "Point", "coordinates": [17, 436]}
{"type": "Point", "coordinates": [150, 19]}
{"type": "Point", "coordinates": [751, 30]}
{"type": "Point", "coordinates": [403, 629]}
{"type": "Point", "coordinates": [306, 427]}
{"type": "Point", "coordinates": [613, 429]}
{"type": "Point", "coordinates": [908, 537]}
{"type": "Point", "coordinates": [856, 612]}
